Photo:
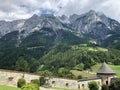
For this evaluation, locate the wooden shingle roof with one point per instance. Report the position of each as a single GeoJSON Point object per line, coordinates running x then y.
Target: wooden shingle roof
{"type": "Point", "coordinates": [105, 69]}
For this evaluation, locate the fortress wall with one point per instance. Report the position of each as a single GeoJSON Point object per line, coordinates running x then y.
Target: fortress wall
{"type": "Point", "coordinates": [84, 84]}
{"type": "Point", "coordinates": [63, 83]}
{"type": "Point", "coordinates": [8, 77]}
{"type": "Point", "coordinates": [72, 84]}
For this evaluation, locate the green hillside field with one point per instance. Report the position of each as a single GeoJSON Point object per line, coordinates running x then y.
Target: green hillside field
{"type": "Point", "coordinates": [115, 68]}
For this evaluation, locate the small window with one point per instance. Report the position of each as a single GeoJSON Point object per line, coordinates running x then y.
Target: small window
{"type": "Point", "coordinates": [83, 86]}
{"type": "Point", "coordinates": [10, 78]}
{"type": "Point", "coordinates": [53, 82]}
{"type": "Point", "coordinates": [67, 84]}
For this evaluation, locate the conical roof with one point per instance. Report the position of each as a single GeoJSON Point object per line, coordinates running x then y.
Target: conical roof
{"type": "Point", "coordinates": [105, 69]}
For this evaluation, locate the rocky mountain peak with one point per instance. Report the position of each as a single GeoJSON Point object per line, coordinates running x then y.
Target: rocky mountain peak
{"type": "Point", "coordinates": [64, 19]}
{"type": "Point", "coordinates": [47, 16]}
{"type": "Point", "coordinates": [35, 16]}
{"type": "Point", "coordinates": [91, 24]}
{"type": "Point", "coordinates": [91, 13]}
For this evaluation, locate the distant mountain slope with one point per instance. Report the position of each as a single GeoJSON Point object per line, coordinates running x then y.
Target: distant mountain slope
{"type": "Point", "coordinates": [113, 41]}
{"type": "Point", "coordinates": [73, 55]}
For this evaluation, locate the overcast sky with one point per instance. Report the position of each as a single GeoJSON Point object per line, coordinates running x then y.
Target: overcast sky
{"type": "Point", "coordinates": [22, 9]}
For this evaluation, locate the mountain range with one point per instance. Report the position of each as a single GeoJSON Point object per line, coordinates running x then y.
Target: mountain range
{"type": "Point", "coordinates": [94, 26]}
{"type": "Point", "coordinates": [38, 35]}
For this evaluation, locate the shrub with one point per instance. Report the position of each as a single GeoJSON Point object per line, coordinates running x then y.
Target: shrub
{"type": "Point", "coordinates": [30, 86]}
{"type": "Point", "coordinates": [42, 81]}
{"type": "Point", "coordinates": [105, 87]}
{"type": "Point", "coordinates": [115, 85]}
{"type": "Point", "coordinates": [79, 77]}
{"type": "Point", "coordinates": [21, 82]}
{"type": "Point", "coordinates": [35, 81]}
{"type": "Point", "coordinates": [93, 85]}
{"type": "Point", "coordinates": [79, 67]}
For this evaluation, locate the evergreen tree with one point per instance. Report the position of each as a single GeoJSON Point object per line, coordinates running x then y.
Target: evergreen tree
{"type": "Point", "coordinates": [22, 65]}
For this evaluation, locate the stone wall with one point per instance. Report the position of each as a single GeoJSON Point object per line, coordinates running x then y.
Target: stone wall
{"type": "Point", "coordinates": [10, 78]}
{"type": "Point", "coordinates": [72, 84]}
{"type": "Point", "coordinates": [62, 83]}
{"type": "Point", "coordinates": [83, 84]}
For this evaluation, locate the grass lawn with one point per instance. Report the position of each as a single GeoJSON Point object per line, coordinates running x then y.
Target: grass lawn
{"type": "Point", "coordinates": [3, 87]}
{"type": "Point", "coordinates": [116, 68]}
{"type": "Point", "coordinates": [54, 88]}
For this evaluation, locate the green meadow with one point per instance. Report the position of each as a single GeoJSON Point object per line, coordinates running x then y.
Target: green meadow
{"type": "Point", "coordinates": [3, 87]}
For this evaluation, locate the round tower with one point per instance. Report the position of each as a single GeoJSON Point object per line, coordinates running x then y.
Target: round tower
{"type": "Point", "coordinates": [105, 73]}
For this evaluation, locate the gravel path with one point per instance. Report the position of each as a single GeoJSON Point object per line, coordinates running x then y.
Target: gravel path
{"type": "Point", "coordinates": [41, 88]}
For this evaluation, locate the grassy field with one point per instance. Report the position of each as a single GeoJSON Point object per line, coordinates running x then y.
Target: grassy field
{"type": "Point", "coordinates": [3, 87]}
{"type": "Point", "coordinates": [116, 68]}
{"type": "Point", "coordinates": [94, 70]}
{"type": "Point", "coordinates": [84, 74]}
{"type": "Point", "coordinates": [85, 47]}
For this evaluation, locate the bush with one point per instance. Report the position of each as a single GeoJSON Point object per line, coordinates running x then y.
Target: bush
{"type": "Point", "coordinates": [42, 81]}
{"type": "Point", "coordinates": [79, 77]}
{"type": "Point", "coordinates": [21, 82]}
{"type": "Point", "coordinates": [115, 85]}
{"type": "Point", "coordinates": [30, 86]}
{"type": "Point", "coordinates": [35, 81]}
{"type": "Point", "coordinates": [105, 87]}
{"type": "Point", "coordinates": [79, 67]}
{"type": "Point", "coordinates": [93, 85]}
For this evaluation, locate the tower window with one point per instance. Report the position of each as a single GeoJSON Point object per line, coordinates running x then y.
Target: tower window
{"type": "Point", "coordinates": [78, 86]}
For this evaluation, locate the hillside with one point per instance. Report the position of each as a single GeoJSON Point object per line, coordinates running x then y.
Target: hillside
{"type": "Point", "coordinates": [64, 58]}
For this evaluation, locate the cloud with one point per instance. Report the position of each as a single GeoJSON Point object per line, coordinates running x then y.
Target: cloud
{"type": "Point", "coordinates": [111, 8]}
{"type": "Point", "coordinates": [22, 9]}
